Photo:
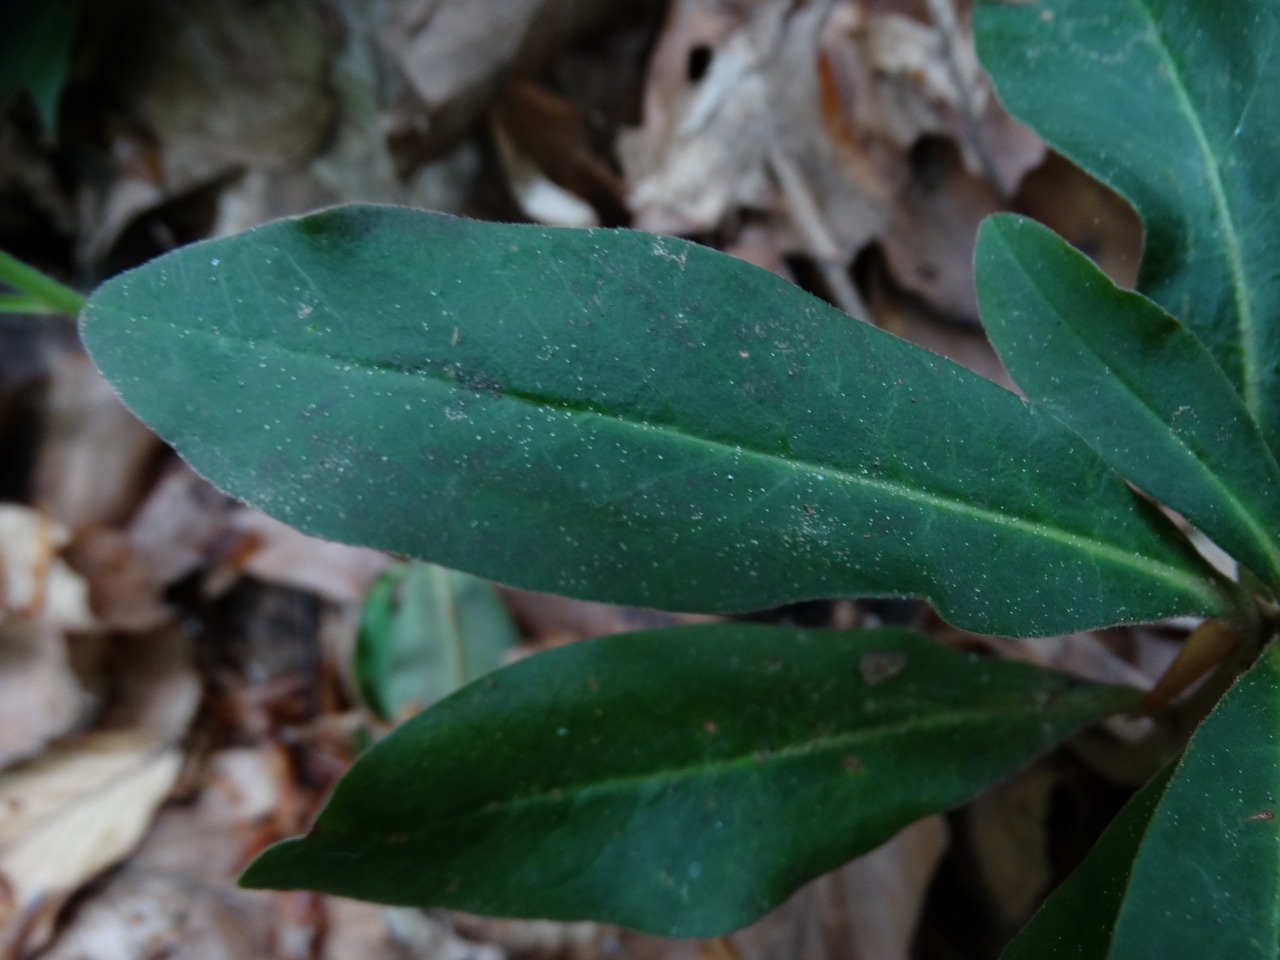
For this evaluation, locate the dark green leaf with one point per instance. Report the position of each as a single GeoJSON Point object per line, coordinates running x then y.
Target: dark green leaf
{"type": "Point", "coordinates": [1176, 104]}
{"type": "Point", "coordinates": [681, 781]}
{"type": "Point", "coordinates": [35, 50]}
{"type": "Point", "coordinates": [424, 632]}
{"type": "Point", "coordinates": [619, 416]}
{"type": "Point", "coordinates": [1206, 882]}
{"type": "Point", "coordinates": [1078, 919]}
{"type": "Point", "coordinates": [1132, 381]}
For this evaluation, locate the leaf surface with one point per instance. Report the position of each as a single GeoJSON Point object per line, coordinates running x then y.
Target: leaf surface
{"type": "Point", "coordinates": [619, 416]}
{"type": "Point", "coordinates": [1078, 919]}
{"type": "Point", "coordinates": [680, 781]}
{"type": "Point", "coordinates": [1175, 104]}
{"type": "Point", "coordinates": [424, 632]}
{"type": "Point", "coordinates": [1206, 881]}
{"type": "Point", "coordinates": [1134, 382]}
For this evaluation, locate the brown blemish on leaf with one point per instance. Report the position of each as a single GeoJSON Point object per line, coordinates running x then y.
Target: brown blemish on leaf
{"type": "Point", "coordinates": [851, 763]}
{"type": "Point", "coordinates": [711, 726]}
{"type": "Point", "coordinates": [1261, 816]}
{"type": "Point", "coordinates": [877, 666]}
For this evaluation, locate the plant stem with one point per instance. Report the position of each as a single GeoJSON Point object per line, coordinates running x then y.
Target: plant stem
{"type": "Point", "coordinates": [43, 294]}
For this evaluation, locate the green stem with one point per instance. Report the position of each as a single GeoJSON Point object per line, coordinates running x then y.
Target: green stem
{"type": "Point", "coordinates": [43, 293]}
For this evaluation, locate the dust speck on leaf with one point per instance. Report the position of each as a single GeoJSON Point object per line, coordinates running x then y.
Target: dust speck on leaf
{"type": "Point", "coordinates": [1261, 816]}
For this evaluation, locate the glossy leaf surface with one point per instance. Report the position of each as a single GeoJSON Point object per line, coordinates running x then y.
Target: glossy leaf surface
{"type": "Point", "coordinates": [1206, 881]}
{"type": "Point", "coordinates": [424, 632]}
{"type": "Point", "coordinates": [1134, 382]}
{"type": "Point", "coordinates": [1078, 919]}
{"type": "Point", "coordinates": [1176, 104]}
{"type": "Point", "coordinates": [680, 781]}
{"type": "Point", "coordinates": [619, 416]}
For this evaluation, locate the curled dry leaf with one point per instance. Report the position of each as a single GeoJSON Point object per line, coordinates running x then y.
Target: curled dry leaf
{"type": "Point", "coordinates": [73, 812]}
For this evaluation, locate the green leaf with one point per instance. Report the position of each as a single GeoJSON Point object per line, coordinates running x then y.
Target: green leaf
{"type": "Point", "coordinates": [681, 781]}
{"type": "Point", "coordinates": [1206, 882]}
{"type": "Point", "coordinates": [618, 416]}
{"type": "Point", "coordinates": [1078, 919]}
{"type": "Point", "coordinates": [35, 50]}
{"type": "Point", "coordinates": [1176, 104]}
{"type": "Point", "coordinates": [424, 632]}
{"type": "Point", "coordinates": [39, 293]}
{"type": "Point", "coordinates": [1134, 382]}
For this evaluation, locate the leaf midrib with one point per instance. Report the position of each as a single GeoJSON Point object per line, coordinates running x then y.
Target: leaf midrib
{"type": "Point", "coordinates": [1246, 322]}
{"type": "Point", "coordinates": [1182, 580]}
{"type": "Point", "coordinates": [959, 718]}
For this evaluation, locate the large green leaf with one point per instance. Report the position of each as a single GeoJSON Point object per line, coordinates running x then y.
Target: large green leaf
{"type": "Point", "coordinates": [424, 632]}
{"type": "Point", "coordinates": [1134, 382]}
{"type": "Point", "coordinates": [680, 781]}
{"type": "Point", "coordinates": [1078, 919]}
{"type": "Point", "coordinates": [1176, 104]}
{"type": "Point", "coordinates": [619, 416]}
{"type": "Point", "coordinates": [1206, 881]}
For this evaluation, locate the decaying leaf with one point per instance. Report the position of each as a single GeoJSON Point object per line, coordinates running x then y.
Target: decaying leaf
{"type": "Point", "coordinates": [40, 698]}
{"type": "Point", "coordinates": [94, 453]}
{"type": "Point", "coordinates": [35, 582]}
{"type": "Point", "coordinates": [75, 811]}
{"type": "Point", "coordinates": [840, 91]}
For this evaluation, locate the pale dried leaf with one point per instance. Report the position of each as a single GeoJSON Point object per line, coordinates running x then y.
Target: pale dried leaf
{"type": "Point", "coordinates": [122, 592]}
{"type": "Point", "coordinates": [181, 526]}
{"type": "Point", "coordinates": [76, 810]}
{"type": "Point", "coordinates": [94, 454]}
{"type": "Point", "coordinates": [277, 553]}
{"type": "Point", "coordinates": [451, 47]}
{"type": "Point", "coordinates": [40, 698]}
{"type": "Point", "coordinates": [35, 582]}
{"type": "Point", "coordinates": [930, 240]}
{"type": "Point", "coordinates": [157, 689]}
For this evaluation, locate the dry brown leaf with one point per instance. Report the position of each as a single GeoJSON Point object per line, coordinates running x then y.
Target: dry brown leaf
{"type": "Point", "coordinates": [547, 148]}
{"type": "Point", "coordinates": [122, 592]}
{"type": "Point", "coordinates": [1008, 829]}
{"type": "Point", "coordinates": [930, 240]}
{"type": "Point", "coordinates": [278, 554]}
{"type": "Point", "coordinates": [94, 454]}
{"type": "Point", "coordinates": [176, 895]}
{"type": "Point", "coordinates": [455, 53]}
{"type": "Point", "coordinates": [453, 50]}
{"type": "Point", "coordinates": [199, 92]}
{"type": "Point", "coordinates": [75, 811]}
{"type": "Point", "coordinates": [806, 115]}
{"type": "Point", "coordinates": [1091, 217]}
{"type": "Point", "coordinates": [35, 582]}
{"type": "Point", "coordinates": [539, 197]}
{"type": "Point", "coordinates": [40, 698]}
{"type": "Point", "coordinates": [181, 527]}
